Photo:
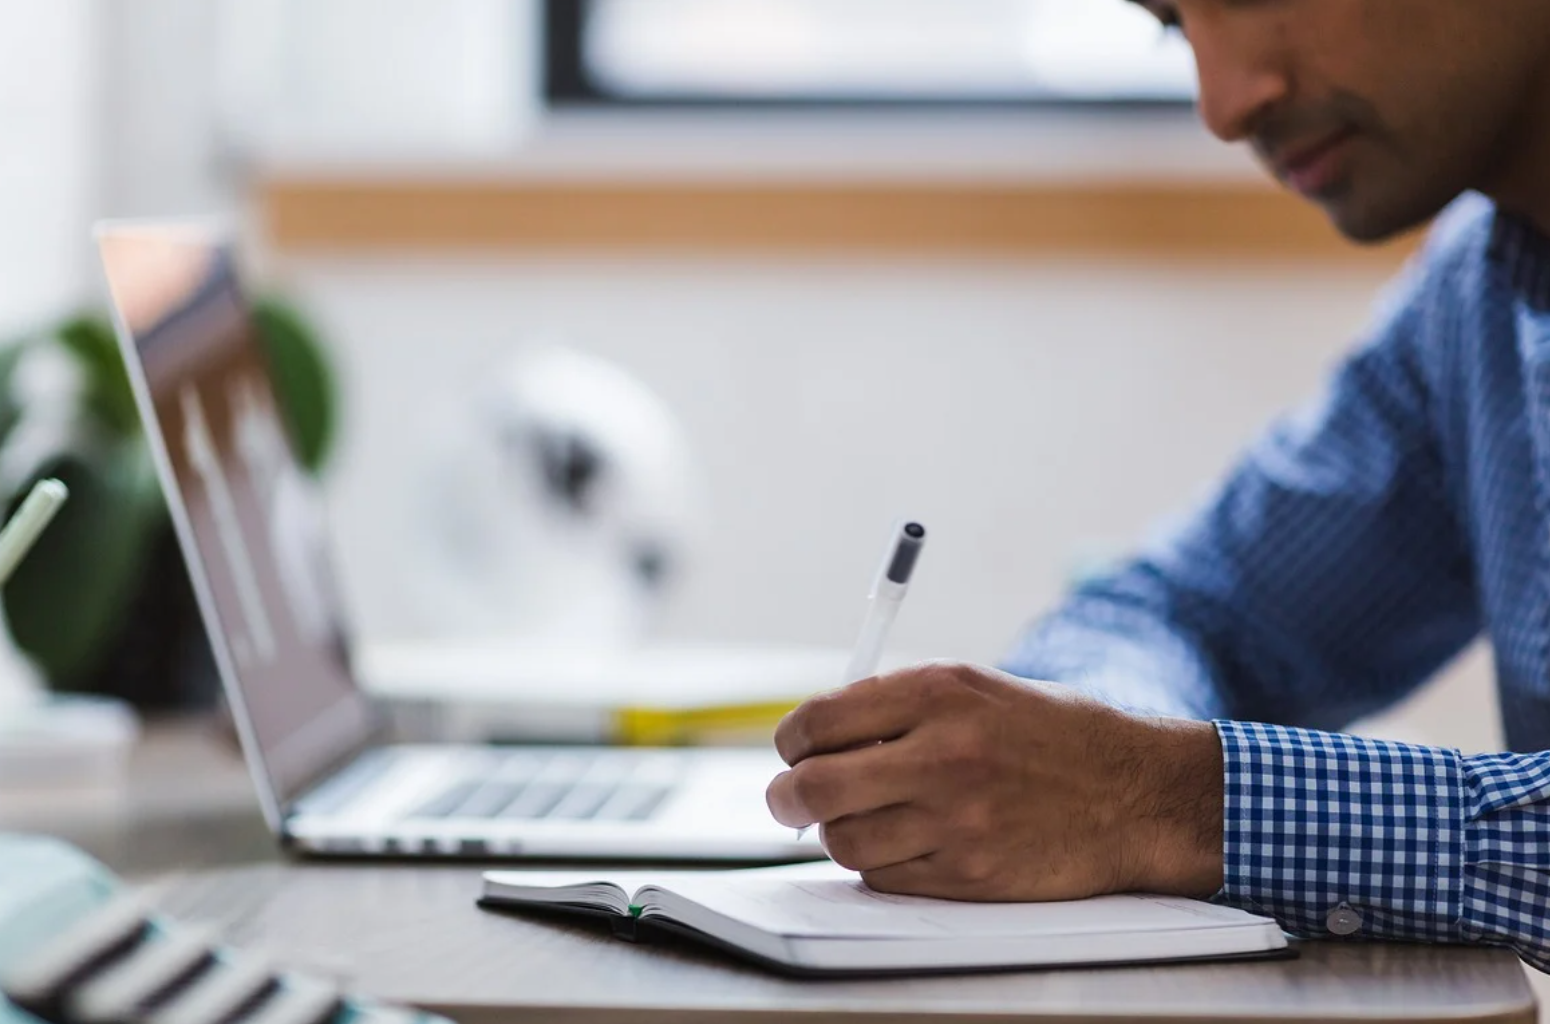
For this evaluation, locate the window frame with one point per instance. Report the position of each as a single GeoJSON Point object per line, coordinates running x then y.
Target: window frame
{"type": "Point", "coordinates": [568, 84]}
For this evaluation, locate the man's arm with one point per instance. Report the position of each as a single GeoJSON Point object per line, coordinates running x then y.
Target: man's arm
{"type": "Point", "coordinates": [1329, 573]}
{"type": "Point", "coordinates": [1327, 578]}
{"type": "Point", "coordinates": [965, 783]}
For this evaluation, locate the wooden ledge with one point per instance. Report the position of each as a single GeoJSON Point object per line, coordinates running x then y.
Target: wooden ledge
{"type": "Point", "coordinates": [1138, 220]}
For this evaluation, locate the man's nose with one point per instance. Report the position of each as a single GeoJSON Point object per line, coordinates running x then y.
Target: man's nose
{"type": "Point", "coordinates": [1238, 84]}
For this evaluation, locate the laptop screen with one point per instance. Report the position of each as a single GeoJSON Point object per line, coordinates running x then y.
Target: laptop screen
{"type": "Point", "coordinates": [250, 521]}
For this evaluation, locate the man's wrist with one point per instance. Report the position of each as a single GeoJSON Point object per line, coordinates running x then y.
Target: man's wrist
{"type": "Point", "coordinates": [1178, 816]}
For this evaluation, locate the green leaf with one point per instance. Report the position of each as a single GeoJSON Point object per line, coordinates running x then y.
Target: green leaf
{"type": "Point", "coordinates": [304, 384]}
{"type": "Point", "coordinates": [92, 341]}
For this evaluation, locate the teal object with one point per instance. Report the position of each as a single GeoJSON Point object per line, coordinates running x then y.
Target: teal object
{"type": "Point", "coordinates": [45, 887]}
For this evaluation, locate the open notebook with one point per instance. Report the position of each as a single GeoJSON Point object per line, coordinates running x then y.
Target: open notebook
{"type": "Point", "coordinates": [821, 919]}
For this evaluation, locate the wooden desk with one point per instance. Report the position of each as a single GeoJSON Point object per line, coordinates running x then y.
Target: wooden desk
{"type": "Point", "coordinates": [413, 934]}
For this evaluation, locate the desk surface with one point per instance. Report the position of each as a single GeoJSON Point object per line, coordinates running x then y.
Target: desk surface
{"type": "Point", "coordinates": [413, 934]}
{"type": "Point", "coordinates": [186, 801]}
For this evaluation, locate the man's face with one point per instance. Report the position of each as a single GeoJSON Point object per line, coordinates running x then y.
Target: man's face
{"type": "Point", "coordinates": [1379, 111]}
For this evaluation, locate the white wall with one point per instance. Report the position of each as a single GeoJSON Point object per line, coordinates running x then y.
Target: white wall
{"type": "Point", "coordinates": [382, 76]}
{"type": "Point", "coordinates": [163, 146]}
{"type": "Point", "coordinates": [48, 109]}
{"type": "Point", "coordinates": [195, 91]}
{"type": "Point", "coordinates": [1024, 411]}
{"type": "Point", "coordinates": [1028, 412]}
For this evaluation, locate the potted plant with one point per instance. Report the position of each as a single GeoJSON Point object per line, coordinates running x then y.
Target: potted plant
{"type": "Point", "coordinates": [103, 604]}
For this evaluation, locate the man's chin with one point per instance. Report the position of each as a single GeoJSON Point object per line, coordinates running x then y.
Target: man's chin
{"type": "Point", "coordinates": [1367, 224]}
{"type": "Point", "coordinates": [1365, 233]}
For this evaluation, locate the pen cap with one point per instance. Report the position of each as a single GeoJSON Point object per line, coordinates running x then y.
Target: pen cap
{"type": "Point", "coordinates": [893, 576]}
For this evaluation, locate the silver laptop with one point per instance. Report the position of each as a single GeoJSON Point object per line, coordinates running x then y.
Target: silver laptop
{"type": "Point", "coordinates": [252, 531]}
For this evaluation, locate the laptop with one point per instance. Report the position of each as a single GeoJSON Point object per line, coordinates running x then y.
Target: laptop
{"type": "Point", "coordinates": [251, 525]}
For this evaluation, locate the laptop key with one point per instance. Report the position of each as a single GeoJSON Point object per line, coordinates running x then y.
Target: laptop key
{"type": "Point", "coordinates": [446, 802]}
{"type": "Point", "coordinates": [634, 802]}
{"type": "Point", "coordinates": [536, 801]}
{"type": "Point", "coordinates": [489, 800]}
{"type": "Point", "coordinates": [340, 790]}
{"type": "Point", "coordinates": [647, 808]}
{"type": "Point", "coordinates": [582, 802]}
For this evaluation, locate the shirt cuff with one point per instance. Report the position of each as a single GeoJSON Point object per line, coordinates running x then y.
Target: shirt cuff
{"type": "Point", "coordinates": [1336, 835]}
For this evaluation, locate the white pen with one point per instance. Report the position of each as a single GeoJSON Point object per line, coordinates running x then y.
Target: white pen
{"type": "Point", "coordinates": [26, 526]}
{"type": "Point", "coordinates": [888, 590]}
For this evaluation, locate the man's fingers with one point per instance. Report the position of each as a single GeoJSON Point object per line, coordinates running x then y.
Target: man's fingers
{"type": "Point", "coordinates": [881, 838]}
{"type": "Point", "coordinates": [945, 875]}
{"type": "Point", "coordinates": [825, 787]}
{"type": "Point", "coordinates": [870, 711]}
{"type": "Point", "coordinates": [919, 876]}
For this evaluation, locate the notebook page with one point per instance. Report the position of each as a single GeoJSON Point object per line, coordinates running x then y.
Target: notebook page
{"type": "Point", "coordinates": [826, 901]}
{"type": "Point", "coordinates": [612, 890]}
{"type": "Point", "coordinates": [629, 881]}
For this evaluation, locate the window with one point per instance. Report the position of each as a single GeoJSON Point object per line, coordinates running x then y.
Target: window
{"type": "Point", "coordinates": [898, 52]}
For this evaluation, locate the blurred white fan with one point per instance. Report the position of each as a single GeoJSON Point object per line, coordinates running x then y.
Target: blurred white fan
{"type": "Point", "coordinates": [559, 506]}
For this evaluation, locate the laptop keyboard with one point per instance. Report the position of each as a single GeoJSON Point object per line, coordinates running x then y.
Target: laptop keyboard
{"type": "Point", "coordinates": [532, 786]}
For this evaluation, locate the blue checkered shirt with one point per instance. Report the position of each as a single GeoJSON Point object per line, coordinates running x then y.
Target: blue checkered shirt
{"type": "Point", "coordinates": [1358, 545]}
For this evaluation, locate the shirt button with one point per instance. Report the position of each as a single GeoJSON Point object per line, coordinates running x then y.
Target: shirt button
{"type": "Point", "coordinates": [1343, 921]}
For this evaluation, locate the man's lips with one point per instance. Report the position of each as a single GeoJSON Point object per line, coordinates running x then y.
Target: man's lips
{"type": "Point", "coordinates": [1313, 167]}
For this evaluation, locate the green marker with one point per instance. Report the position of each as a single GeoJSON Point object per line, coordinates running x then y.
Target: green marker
{"type": "Point", "coordinates": [26, 526]}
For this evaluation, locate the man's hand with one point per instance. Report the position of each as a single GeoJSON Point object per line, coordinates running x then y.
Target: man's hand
{"type": "Point", "coordinates": [961, 782]}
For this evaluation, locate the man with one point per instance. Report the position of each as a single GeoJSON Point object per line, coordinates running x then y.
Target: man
{"type": "Point", "coordinates": [1354, 549]}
